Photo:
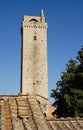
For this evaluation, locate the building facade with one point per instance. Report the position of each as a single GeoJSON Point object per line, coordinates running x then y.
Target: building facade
{"type": "Point", "coordinates": [34, 74]}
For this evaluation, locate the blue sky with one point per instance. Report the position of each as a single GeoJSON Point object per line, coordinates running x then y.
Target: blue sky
{"type": "Point", "coordinates": [65, 37]}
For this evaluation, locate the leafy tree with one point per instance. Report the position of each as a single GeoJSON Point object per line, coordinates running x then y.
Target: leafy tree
{"type": "Point", "coordinates": [68, 94]}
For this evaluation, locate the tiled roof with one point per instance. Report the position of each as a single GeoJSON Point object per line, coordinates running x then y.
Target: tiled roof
{"type": "Point", "coordinates": [66, 124]}
{"type": "Point", "coordinates": [24, 112]}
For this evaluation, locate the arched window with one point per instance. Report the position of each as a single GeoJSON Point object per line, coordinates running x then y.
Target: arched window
{"type": "Point", "coordinates": [33, 20]}
{"type": "Point", "coordinates": [35, 38]}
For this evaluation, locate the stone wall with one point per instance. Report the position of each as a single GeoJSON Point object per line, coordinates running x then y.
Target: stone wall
{"type": "Point", "coordinates": [34, 56]}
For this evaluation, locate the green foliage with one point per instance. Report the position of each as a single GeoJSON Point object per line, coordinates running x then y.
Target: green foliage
{"type": "Point", "coordinates": [68, 94]}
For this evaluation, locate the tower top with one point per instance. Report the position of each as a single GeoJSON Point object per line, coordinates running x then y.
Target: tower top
{"type": "Point", "coordinates": [40, 18]}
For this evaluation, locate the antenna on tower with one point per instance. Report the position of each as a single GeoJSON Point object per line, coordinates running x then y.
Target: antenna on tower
{"type": "Point", "coordinates": [42, 13]}
{"type": "Point", "coordinates": [42, 16]}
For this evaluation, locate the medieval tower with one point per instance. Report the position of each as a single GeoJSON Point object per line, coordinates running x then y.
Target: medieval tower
{"type": "Point", "coordinates": [34, 75]}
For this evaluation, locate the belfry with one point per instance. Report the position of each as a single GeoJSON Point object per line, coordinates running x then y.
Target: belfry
{"type": "Point", "coordinates": [34, 74]}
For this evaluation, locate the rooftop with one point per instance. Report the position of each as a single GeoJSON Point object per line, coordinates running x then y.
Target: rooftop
{"type": "Point", "coordinates": [23, 112]}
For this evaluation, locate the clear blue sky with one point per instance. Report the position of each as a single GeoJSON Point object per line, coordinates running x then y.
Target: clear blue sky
{"type": "Point", "coordinates": [65, 37]}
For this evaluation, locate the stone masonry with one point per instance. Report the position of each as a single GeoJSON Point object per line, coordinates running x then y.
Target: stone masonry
{"type": "Point", "coordinates": [34, 76]}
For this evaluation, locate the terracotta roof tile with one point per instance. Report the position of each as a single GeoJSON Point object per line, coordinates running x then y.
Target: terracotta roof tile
{"type": "Point", "coordinates": [66, 124]}
{"type": "Point", "coordinates": [23, 112]}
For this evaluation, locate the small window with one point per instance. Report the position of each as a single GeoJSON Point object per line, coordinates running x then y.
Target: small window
{"type": "Point", "coordinates": [35, 38]}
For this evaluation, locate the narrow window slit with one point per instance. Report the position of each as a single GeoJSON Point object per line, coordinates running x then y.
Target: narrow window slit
{"type": "Point", "coordinates": [35, 38]}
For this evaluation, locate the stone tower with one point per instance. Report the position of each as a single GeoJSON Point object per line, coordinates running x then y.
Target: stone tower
{"type": "Point", "coordinates": [34, 75]}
